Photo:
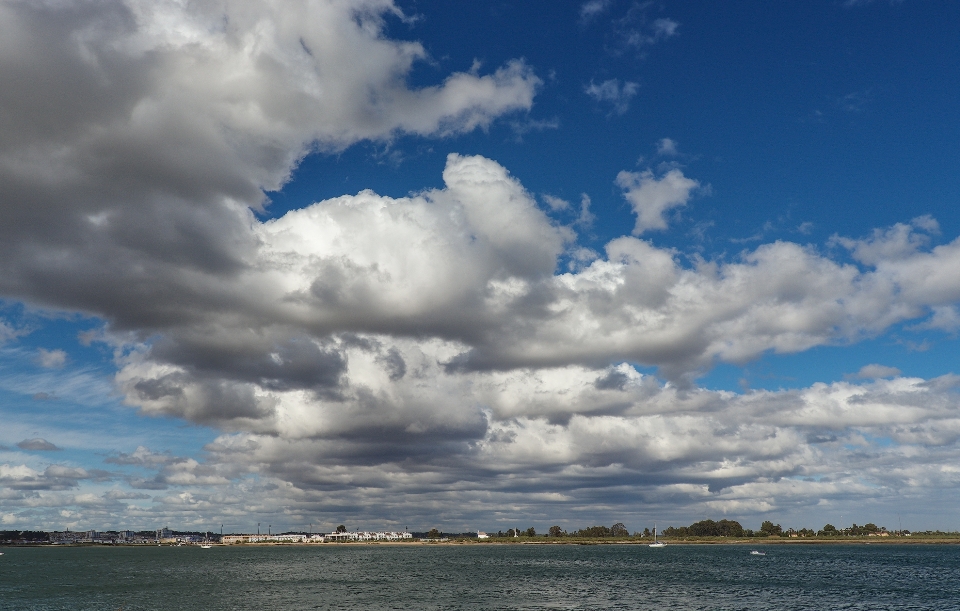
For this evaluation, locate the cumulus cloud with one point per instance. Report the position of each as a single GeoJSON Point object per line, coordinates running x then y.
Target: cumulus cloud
{"type": "Point", "coordinates": [553, 441]}
{"type": "Point", "coordinates": [893, 243]}
{"type": "Point", "coordinates": [37, 445]}
{"type": "Point", "coordinates": [338, 309]}
{"type": "Point", "coordinates": [944, 318]}
{"type": "Point", "coordinates": [371, 351]}
{"type": "Point", "coordinates": [142, 457]}
{"type": "Point", "coordinates": [472, 357]}
{"type": "Point", "coordinates": [376, 347]}
{"type": "Point", "coordinates": [54, 477]}
{"type": "Point", "coordinates": [613, 93]}
{"type": "Point", "coordinates": [652, 197]}
{"type": "Point", "coordinates": [148, 130]}
{"type": "Point", "coordinates": [631, 440]}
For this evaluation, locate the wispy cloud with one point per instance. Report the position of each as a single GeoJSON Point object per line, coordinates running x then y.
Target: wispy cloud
{"type": "Point", "coordinates": [614, 93]}
{"type": "Point", "coordinates": [51, 359]}
{"type": "Point", "coordinates": [593, 8]}
{"type": "Point", "coordinates": [667, 147]}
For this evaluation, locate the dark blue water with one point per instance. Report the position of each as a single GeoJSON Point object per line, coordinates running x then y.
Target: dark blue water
{"type": "Point", "coordinates": [874, 577]}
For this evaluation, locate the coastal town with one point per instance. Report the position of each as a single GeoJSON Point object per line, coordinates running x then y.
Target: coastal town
{"type": "Point", "coordinates": [705, 531]}
{"type": "Point", "coordinates": [165, 536]}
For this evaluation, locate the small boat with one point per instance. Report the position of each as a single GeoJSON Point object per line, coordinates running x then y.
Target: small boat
{"type": "Point", "coordinates": [655, 542]}
{"type": "Point", "coordinates": [206, 546]}
{"type": "Point", "coordinates": [758, 553]}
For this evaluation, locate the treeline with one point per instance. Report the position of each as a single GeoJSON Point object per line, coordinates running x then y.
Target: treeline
{"type": "Point", "coordinates": [732, 528]}
{"type": "Point", "coordinates": [707, 528]}
{"type": "Point", "coordinates": [592, 532]}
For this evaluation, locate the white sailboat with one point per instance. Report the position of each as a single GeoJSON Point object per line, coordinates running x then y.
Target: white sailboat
{"type": "Point", "coordinates": [655, 542]}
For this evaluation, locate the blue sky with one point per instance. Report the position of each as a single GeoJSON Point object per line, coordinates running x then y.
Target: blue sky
{"type": "Point", "coordinates": [431, 264]}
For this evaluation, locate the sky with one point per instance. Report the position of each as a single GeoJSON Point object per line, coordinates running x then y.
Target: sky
{"type": "Point", "coordinates": [412, 264]}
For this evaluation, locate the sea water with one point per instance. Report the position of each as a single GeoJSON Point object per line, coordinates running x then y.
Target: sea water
{"type": "Point", "coordinates": [352, 577]}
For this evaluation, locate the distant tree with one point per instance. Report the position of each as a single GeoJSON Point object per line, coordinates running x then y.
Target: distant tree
{"type": "Point", "coordinates": [594, 532]}
{"type": "Point", "coordinates": [530, 532]}
{"type": "Point", "coordinates": [619, 530]}
{"type": "Point", "coordinates": [341, 529]}
{"type": "Point", "coordinates": [709, 528]}
{"type": "Point", "coordinates": [770, 529]}
{"type": "Point", "coordinates": [512, 533]}
{"type": "Point", "coordinates": [433, 534]}
{"type": "Point", "coordinates": [829, 530]}
{"type": "Point", "coordinates": [556, 531]}
{"type": "Point", "coordinates": [646, 532]}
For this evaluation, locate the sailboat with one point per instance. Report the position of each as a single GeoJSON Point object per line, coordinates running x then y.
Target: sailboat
{"type": "Point", "coordinates": [655, 542]}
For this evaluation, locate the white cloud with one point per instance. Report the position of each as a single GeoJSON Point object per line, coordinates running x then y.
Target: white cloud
{"type": "Point", "coordinates": [37, 444]}
{"type": "Point", "coordinates": [370, 334]}
{"type": "Point", "coordinates": [664, 28]}
{"type": "Point", "coordinates": [944, 318]}
{"type": "Point", "coordinates": [636, 31]}
{"type": "Point", "coordinates": [470, 271]}
{"type": "Point", "coordinates": [54, 477]}
{"type": "Point", "coordinates": [593, 8]}
{"type": "Point", "coordinates": [586, 217]}
{"type": "Point", "coordinates": [8, 332]}
{"type": "Point", "coordinates": [550, 441]}
{"type": "Point", "coordinates": [441, 335]}
{"type": "Point", "coordinates": [369, 351]}
{"type": "Point", "coordinates": [556, 203]}
{"type": "Point", "coordinates": [667, 147]}
{"type": "Point", "coordinates": [894, 243]}
{"type": "Point", "coordinates": [51, 359]}
{"type": "Point", "coordinates": [613, 93]}
{"type": "Point", "coordinates": [873, 371]}
{"type": "Point", "coordinates": [652, 197]}
{"type": "Point", "coordinates": [142, 456]}
{"type": "Point", "coordinates": [148, 130]}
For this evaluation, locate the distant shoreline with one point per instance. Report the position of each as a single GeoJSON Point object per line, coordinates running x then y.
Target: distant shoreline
{"type": "Point", "coordinates": [462, 542]}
